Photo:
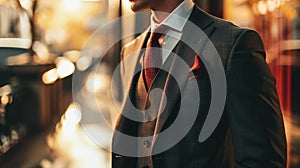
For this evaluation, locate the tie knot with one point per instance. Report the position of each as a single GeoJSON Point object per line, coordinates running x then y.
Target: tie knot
{"type": "Point", "coordinates": [158, 32]}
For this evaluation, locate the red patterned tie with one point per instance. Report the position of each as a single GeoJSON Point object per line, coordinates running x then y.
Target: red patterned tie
{"type": "Point", "coordinates": [153, 56]}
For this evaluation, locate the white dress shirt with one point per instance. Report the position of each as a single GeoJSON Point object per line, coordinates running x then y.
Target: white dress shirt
{"type": "Point", "coordinates": [172, 37]}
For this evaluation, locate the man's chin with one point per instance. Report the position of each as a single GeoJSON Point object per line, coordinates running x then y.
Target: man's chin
{"type": "Point", "coordinates": [138, 7]}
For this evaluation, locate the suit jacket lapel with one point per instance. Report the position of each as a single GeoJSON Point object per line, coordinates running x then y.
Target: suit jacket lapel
{"type": "Point", "coordinates": [133, 55]}
{"type": "Point", "coordinates": [184, 53]}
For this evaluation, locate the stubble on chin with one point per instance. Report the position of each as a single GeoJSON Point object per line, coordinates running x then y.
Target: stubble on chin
{"type": "Point", "coordinates": [140, 6]}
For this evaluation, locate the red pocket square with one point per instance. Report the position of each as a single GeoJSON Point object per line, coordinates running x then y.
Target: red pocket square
{"type": "Point", "coordinates": [198, 68]}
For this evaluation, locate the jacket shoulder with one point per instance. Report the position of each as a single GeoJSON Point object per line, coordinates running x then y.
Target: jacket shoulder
{"type": "Point", "coordinates": [228, 28]}
{"type": "Point", "coordinates": [134, 45]}
{"type": "Point", "coordinates": [232, 30]}
{"type": "Point", "coordinates": [227, 37]}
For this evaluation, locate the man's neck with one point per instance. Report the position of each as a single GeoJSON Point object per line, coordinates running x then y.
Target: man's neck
{"type": "Point", "coordinates": [162, 10]}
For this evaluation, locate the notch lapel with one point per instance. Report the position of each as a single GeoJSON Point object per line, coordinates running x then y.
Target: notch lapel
{"type": "Point", "coordinates": [133, 55]}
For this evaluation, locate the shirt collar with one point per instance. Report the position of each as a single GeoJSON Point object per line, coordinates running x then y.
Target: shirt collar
{"type": "Point", "coordinates": [183, 10]}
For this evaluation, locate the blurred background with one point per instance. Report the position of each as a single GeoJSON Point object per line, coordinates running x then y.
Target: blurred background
{"type": "Point", "coordinates": [41, 47]}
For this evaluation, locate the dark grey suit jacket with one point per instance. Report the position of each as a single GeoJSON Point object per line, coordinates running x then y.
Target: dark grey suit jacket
{"type": "Point", "coordinates": [250, 132]}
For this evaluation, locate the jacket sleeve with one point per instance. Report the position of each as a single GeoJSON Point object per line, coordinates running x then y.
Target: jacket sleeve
{"type": "Point", "coordinates": [253, 109]}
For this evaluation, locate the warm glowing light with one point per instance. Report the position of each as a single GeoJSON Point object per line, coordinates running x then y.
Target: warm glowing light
{"type": "Point", "coordinates": [5, 90]}
{"type": "Point", "coordinates": [72, 146]}
{"type": "Point", "coordinates": [70, 120]}
{"type": "Point", "coordinates": [55, 35]}
{"type": "Point", "coordinates": [127, 4]}
{"type": "Point", "coordinates": [84, 63]}
{"type": "Point", "coordinates": [73, 113]}
{"type": "Point", "coordinates": [72, 55]}
{"type": "Point", "coordinates": [64, 67]}
{"type": "Point", "coordinates": [26, 4]}
{"type": "Point", "coordinates": [254, 8]}
{"type": "Point", "coordinates": [278, 3]}
{"type": "Point", "coordinates": [290, 12]}
{"type": "Point", "coordinates": [127, 7]}
{"type": "Point", "coordinates": [71, 5]}
{"type": "Point", "coordinates": [4, 100]}
{"type": "Point", "coordinates": [262, 7]}
{"type": "Point", "coordinates": [50, 76]}
{"type": "Point", "coordinates": [96, 82]}
{"type": "Point", "coordinates": [41, 51]}
{"type": "Point", "coordinates": [68, 128]}
{"type": "Point", "coordinates": [91, 0]}
{"type": "Point", "coordinates": [271, 5]}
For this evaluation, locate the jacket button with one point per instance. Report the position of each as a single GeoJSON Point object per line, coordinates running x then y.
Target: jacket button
{"type": "Point", "coordinates": [147, 144]}
{"type": "Point", "coordinates": [118, 156]}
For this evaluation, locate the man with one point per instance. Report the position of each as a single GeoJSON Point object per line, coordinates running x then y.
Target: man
{"type": "Point", "coordinates": [250, 132]}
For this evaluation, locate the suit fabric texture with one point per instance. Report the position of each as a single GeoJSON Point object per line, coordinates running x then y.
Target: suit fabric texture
{"type": "Point", "coordinates": [250, 132]}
